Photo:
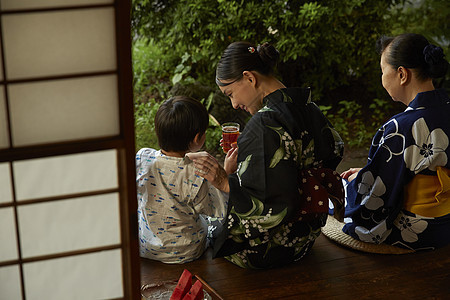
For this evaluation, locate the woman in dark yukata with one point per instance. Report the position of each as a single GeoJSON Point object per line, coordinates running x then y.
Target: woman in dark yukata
{"type": "Point", "coordinates": [283, 174]}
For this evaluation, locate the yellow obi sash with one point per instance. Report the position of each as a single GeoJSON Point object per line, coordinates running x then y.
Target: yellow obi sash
{"type": "Point", "coordinates": [428, 195]}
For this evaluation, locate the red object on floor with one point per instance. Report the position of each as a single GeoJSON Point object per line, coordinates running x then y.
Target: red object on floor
{"type": "Point", "coordinates": [196, 292]}
{"type": "Point", "coordinates": [183, 286]}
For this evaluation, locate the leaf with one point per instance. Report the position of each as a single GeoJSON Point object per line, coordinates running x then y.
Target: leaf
{"type": "Point", "coordinates": [236, 259]}
{"type": "Point", "coordinates": [278, 130]}
{"type": "Point", "coordinates": [265, 108]}
{"type": "Point", "coordinates": [244, 165]}
{"type": "Point", "coordinates": [270, 245]}
{"type": "Point", "coordinates": [286, 98]}
{"type": "Point", "coordinates": [255, 242]}
{"type": "Point", "coordinates": [299, 146]}
{"type": "Point", "coordinates": [270, 221]}
{"type": "Point", "coordinates": [236, 231]}
{"type": "Point", "coordinates": [277, 156]}
{"type": "Point", "coordinates": [176, 78]}
{"type": "Point", "coordinates": [257, 208]}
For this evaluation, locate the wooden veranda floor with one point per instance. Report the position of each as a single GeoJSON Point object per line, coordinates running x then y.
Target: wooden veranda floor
{"type": "Point", "coordinates": [330, 271]}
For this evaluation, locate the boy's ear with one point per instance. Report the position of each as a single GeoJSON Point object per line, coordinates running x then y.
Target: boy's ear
{"type": "Point", "coordinates": [197, 141]}
{"type": "Point", "coordinates": [197, 138]}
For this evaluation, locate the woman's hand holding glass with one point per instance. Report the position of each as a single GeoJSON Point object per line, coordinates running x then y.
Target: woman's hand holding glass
{"type": "Point", "coordinates": [230, 164]}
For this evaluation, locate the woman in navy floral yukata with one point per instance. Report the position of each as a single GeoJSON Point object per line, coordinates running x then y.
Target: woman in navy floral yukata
{"type": "Point", "coordinates": [402, 196]}
{"type": "Point", "coordinates": [288, 151]}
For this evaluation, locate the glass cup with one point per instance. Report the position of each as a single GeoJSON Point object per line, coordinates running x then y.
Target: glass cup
{"type": "Point", "coordinates": [230, 133]}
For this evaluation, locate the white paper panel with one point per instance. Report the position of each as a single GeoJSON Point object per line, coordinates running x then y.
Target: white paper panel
{"type": "Point", "coordinates": [10, 283]}
{"type": "Point", "coordinates": [5, 183]}
{"type": "Point", "coordinates": [8, 241]}
{"type": "Point", "coordinates": [4, 137]}
{"type": "Point", "coordinates": [66, 225]}
{"type": "Point", "coordinates": [89, 276]}
{"type": "Point", "coordinates": [59, 42]}
{"type": "Point", "coordinates": [27, 4]}
{"type": "Point", "coordinates": [67, 174]}
{"type": "Point", "coordinates": [64, 110]}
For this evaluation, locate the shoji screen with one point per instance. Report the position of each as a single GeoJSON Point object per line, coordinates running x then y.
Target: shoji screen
{"type": "Point", "coordinates": [67, 188]}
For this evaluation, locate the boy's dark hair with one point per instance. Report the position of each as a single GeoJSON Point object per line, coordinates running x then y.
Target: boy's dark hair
{"type": "Point", "coordinates": [178, 120]}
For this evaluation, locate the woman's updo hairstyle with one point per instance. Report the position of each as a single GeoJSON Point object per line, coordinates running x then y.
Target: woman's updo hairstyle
{"type": "Point", "coordinates": [243, 56]}
{"type": "Point", "coordinates": [413, 51]}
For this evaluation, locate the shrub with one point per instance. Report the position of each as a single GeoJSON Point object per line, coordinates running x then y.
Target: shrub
{"type": "Point", "coordinates": [326, 45]}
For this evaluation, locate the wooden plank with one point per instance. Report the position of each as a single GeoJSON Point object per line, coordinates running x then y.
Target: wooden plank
{"type": "Point", "coordinates": [329, 271]}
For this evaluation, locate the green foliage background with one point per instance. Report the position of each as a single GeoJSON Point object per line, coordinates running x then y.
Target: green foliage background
{"type": "Point", "coordinates": [326, 45]}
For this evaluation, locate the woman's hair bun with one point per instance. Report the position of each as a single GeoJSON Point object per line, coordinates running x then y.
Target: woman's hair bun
{"type": "Point", "coordinates": [433, 54]}
{"type": "Point", "coordinates": [435, 59]}
{"type": "Point", "coordinates": [244, 56]}
{"type": "Point", "coordinates": [268, 54]}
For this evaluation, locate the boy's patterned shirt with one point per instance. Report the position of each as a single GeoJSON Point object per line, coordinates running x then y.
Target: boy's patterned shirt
{"type": "Point", "coordinates": [172, 205]}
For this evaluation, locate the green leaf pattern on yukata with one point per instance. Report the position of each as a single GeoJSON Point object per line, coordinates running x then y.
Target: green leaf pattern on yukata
{"type": "Point", "coordinates": [280, 237]}
{"type": "Point", "coordinates": [277, 156]}
{"type": "Point", "coordinates": [253, 219]}
{"type": "Point", "coordinates": [243, 165]}
{"type": "Point", "coordinates": [265, 108]}
{"type": "Point", "coordinates": [240, 259]}
{"type": "Point", "coordinates": [286, 98]}
{"type": "Point", "coordinates": [289, 147]}
{"type": "Point", "coordinates": [306, 156]}
{"type": "Point", "coordinates": [280, 153]}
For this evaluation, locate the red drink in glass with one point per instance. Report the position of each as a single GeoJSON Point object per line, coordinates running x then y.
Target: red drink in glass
{"type": "Point", "coordinates": [230, 133]}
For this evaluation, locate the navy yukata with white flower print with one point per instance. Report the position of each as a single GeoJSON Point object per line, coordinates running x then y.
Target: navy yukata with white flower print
{"type": "Point", "coordinates": [278, 197]}
{"type": "Point", "coordinates": [413, 142]}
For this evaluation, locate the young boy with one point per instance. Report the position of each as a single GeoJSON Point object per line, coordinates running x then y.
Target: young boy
{"type": "Point", "coordinates": [171, 198]}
